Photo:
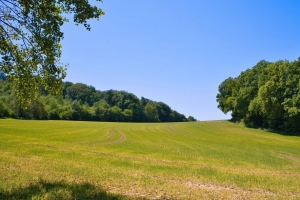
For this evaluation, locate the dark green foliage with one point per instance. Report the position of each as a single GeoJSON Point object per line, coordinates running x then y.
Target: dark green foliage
{"type": "Point", "coordinates": [127, 115]}
{"type": "Point", "coordinates": [151, 113]}
{"type": "Point", "coordinates": [191, 119]}
{"type": "Point", "coordinates": [80, 91]}
{"type": "Point", "coordinates": [36, 110]}
{"type": "Point", "coordinates": [2, 75]}
{"type": "Point", "coordinates": [4, 111]}
{"type": "Point", "coordinates": [100, 109]}
{"type": "Point", "coordinates": [82, 102]}
{"type": "Point", "coordinates": [164, 112]}
{"type": "Point", "coordinates": [265, 96]}
{"type": "Point", "coordinates": [177, 117]}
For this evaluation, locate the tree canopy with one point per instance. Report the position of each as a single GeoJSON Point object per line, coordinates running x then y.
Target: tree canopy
{"type": "Point", "coordinates": [82, 102]}
{"type": "Point", "coordinates": [30, 36]}
{"type": "Point", "coordinates": [267, 96]}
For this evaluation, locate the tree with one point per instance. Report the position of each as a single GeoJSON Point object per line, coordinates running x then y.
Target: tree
{"type": "Point", "coordinates": [151, 113]}
{"type": "Point", "coordinates": [30, 36]}
{"type": "Point", "coordinates": [4, 111]}
{"type": "Point", "coordinates": [272, 93]}
{"type": "Point", "coordinates": [76, 101]}
{"type": "Point", "coordinates": [266, 96]}
{"type": "Point", "coordinates": [247, 93]}
{"type": "Point", "coordinates": [101, 109]}
{"type": "Point", "coordinates": [127, 115]}
{"type": "Point", "coordinates": [164, 112]}
{"type": "Point", "coordinates": [115, 114]}
{"type": "Point", "coordinates": [36, 110]}
{"type": "Point", "coordinates": [227, 95]}
{"type": "Point", "coordinates": [80, 91]}
{"type": "Point", "coordinates": [191, 119]}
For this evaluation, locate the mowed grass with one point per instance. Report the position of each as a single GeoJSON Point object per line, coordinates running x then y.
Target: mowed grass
{"type": "Point", "coordinates": [97, 160]}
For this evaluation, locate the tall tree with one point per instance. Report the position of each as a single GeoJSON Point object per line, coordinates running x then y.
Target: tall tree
{"type": "Point", "coordinates": [248, 89]}
{"type": "Point", "coordinates": [272, 92]}
{"type": "Point", "coordinates": [267, 95]}
{"type": "Point", "coordinates": [227, 95]}
{"type": "Point", "coordinates": [30, 36]}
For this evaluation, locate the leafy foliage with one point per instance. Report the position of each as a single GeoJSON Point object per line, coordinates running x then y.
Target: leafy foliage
{"type": "Point", "coordinates": [30, 36]}
{"type": "Point", "coordinates": [265, 96]}
{"type": "Point", "coordinates": [82, 102]}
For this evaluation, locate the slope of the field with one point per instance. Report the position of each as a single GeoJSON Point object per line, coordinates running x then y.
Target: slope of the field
{"type": "Point", "coordinates": [94, 160]}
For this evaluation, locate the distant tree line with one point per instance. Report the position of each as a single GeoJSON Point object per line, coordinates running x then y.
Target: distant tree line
{"type": "Point", "coordinates": [82, 102]}
{"type": "Point", "coordinates": [266, 96]}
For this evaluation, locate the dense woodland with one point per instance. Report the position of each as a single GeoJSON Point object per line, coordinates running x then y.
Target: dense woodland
{"type": "Point", "coordinates": [82, 102]}
{"type": "Point", "coordinates": [265, 96]}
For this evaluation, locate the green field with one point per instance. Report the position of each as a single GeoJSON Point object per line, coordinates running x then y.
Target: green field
{"type": "Point", "coordinates": [99, 160]}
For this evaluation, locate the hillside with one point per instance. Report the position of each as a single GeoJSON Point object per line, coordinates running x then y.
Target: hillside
{"type": "Point", "coordinates": [82, 102]}
{"type": "Point", "coordinates": [94, 160]}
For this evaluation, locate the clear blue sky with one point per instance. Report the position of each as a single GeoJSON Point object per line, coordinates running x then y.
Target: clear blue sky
{"type": "Point", "coordinates": [178, 52]}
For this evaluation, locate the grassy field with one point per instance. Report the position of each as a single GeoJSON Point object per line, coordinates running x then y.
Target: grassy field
{"type": "Point", "coordinates": [96, 160]}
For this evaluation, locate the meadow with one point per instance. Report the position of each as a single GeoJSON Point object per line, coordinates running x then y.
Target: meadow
{"type": "Point", "coordinates": [101, 160]}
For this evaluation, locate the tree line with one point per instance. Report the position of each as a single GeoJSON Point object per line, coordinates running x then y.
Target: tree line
{"type": "Point", "coordinates": [265, 96]}
{"type": "Point", "coordinates": [82, 102]}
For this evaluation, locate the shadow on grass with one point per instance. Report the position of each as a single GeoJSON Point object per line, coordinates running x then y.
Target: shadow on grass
{"type": "Point", "coordinates": [60, 190]}
{"type": "Point", "coordinates": [279, 132]}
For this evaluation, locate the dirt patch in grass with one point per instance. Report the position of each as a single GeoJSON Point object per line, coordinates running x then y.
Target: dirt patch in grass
{"type": "Point", "coordinates": [120, 140]}
{"type": "Point", "coordinates": [210, 186]}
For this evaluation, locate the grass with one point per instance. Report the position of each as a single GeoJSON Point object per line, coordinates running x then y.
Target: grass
{"type": "Point", "coordinates": [96, 160]}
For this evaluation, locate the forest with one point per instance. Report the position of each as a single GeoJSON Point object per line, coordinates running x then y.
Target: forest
{"type": "Point", "coordinates": [266, 96]}
{"type": "Point", "coordinates": [82, 102]}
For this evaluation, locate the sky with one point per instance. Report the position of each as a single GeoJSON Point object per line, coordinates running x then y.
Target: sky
{"type": "Point", "coordinates": [179, 52]}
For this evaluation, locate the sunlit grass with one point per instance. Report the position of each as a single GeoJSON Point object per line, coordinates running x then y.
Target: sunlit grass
{"type": "Point", "coordinates": [217, 159]}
